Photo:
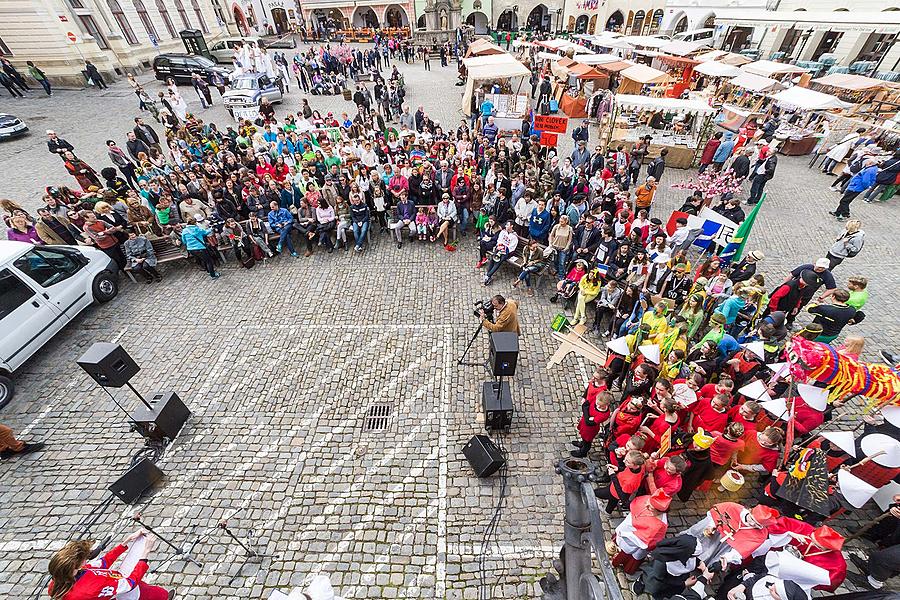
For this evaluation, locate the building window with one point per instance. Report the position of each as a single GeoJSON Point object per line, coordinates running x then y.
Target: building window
{"type": "Point", "coordinates": [4, 49]}
{"type": "Point", "coordinates": [145, 18]}
{"type": "Point", "coordinates": [90, 26]}
{"type": "Point", "coordinates": [199, 14]}
{"type": "Point", "coordinates": [179, 6]}
{"type": "Point", "coordinates": [164, 13]}
{"type": "Point", "coordinates": [119, 15]}
{"type": "Point", "coordinates": [76, 3]}
{"type": "Point", "coordinates": [220, 14]}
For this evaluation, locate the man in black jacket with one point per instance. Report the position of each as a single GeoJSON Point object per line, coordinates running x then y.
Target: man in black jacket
{"type": "Point", "coordinates": [658, 165]}
{"type": "Point", "coordinates": [740, 167]}
{"type": "Point", "coordinates": [145, 133]}
{"type": "Point", "coordinates": [763, 171]}
{"type": "Point", "coordinates": [586, 239]}
{"type": "Point", "coordinates": [57, 145]}
{"type": "Point", "coordinates": [887, 175]}
{"type": "Point", "coordinates": [136, 146]}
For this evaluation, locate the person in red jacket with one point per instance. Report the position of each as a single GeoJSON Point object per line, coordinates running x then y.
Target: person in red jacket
{"type": "Point", "coordinates": [709, 150]}
{"type": "Point", "coordinates": [625, 483]}
{"type": "Point", "coordinates": [724, 448]}
{"type": "Point", "coordinates": [747, 414]}
{"type": "Point", "coordinates": [665, 474]}
{"type": "Point", "coordinates": [724, 386]}
{"type": "Point", "coordinates": [760, 453]}
{"type": "Point", "coordinates": [594, 414]}
{"type": "Point", "coordinates": [710, 415]}
{"type": "Point", "coordinates": [74, 577]}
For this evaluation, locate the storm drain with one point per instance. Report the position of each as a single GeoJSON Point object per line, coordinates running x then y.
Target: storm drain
{"type": "Point", "coordinates": [378, 417]}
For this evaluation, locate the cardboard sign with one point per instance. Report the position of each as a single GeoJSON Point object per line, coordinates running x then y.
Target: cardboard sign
{"type": "Point", "coordinates": [551, 123]}
{"type": "Point", "coordinates": [548, 139]}
{"type": "Point", "coordinates": [665, 443]}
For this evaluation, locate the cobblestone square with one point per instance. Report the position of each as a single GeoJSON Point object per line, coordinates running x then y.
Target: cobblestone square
{"type": "Point", "coordinates": [280, 364]}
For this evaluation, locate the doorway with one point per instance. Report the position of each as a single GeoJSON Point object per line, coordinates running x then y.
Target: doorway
{"type": "Point", "coordinates": [279, 16]}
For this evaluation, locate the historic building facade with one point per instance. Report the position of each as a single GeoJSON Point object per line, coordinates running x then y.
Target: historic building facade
{"type": "Point", "coordinates": [118, 36]}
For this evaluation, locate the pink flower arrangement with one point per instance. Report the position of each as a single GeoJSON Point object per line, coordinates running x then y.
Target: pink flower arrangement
{"type": "Point", "coordinates": [711, 183]}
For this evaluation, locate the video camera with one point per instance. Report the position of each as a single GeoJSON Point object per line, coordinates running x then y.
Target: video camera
{"type": "Point", "coordinates": [487, 306]}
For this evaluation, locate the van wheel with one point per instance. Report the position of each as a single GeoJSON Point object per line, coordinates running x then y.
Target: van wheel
{"type": "Point", "coordinates": [105, 287]}
{"type": "Point", "coordinates": [6, 390]}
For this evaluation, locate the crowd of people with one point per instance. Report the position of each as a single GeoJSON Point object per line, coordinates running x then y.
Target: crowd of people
{"type": "Point", "coordinates": [691, 337]}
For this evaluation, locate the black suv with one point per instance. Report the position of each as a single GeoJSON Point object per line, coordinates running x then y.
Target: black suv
{"type": "Point", "coordinates": [180, 67]}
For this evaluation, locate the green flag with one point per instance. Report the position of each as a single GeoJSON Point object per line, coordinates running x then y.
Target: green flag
{"type": "Point", "coordinates": [732, 252]}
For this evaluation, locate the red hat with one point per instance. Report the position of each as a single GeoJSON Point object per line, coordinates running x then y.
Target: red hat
{"type": "Point", "coordinates": [828, 538]}
{"type": "Point", "coordinates": [660, 501]}
{"type": "Point", "coordinates": [764, 515]}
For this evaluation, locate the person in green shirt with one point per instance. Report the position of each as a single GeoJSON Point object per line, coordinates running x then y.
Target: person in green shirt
{"type": "Point", "coordinates": [334, 159]}
{"type": "Point", "coordinates": [859, 295]}
{"type": "Point", "coordinates": [40, 77]}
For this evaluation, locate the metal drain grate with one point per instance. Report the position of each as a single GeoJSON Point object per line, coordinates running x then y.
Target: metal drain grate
{"type": "Point", "coordinates": [378, 417]}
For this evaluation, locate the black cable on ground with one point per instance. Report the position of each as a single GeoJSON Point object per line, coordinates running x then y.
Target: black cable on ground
{"type": "Point", "coordinates": [489, 539]}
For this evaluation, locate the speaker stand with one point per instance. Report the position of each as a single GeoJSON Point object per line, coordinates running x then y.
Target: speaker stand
{"type": "Point", "coordinates": [179, 552]}
{"type": "Point", "coordinates": [249, 553]}
{"type": "Point", "coordinates": [138, 394]}
{"type": "Point", "coordinates": [462, 359]}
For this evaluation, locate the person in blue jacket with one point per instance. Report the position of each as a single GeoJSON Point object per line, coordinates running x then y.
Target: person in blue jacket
{"type": "Point", "coordinates": [539, 223]}
{"type": "Point", "coordinates": [281, 221]}
{"type": "Point", "coordinates": [859, 183]}
{"type": "Point", "coordinates": [194, 239]}
{"type": "Point", "coordinates": [723, 151]}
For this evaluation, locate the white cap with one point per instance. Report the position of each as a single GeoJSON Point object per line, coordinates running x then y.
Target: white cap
{"type": "Point", "coordinates": [757, 348]}
{"type": "Point", "coordinates": [50, 132]}
{"type": "Point", "coordinates": [855, 490]}
{"type": "Point", "coordinates": [878, 443]}
{"type": "Point", "coordinates": [815, 398]}
{"type": "Point", "coordinates": [788, 567]}
{"type": "Point", "coordinates": [823, 263]}
{"type": "Point", "coordinates": [891, 415]}
{"type": "Point", "coordinates": [755, 390]}
{"type": "Point", "coordinates": [777, 407]}
{"type": "Point", "coordinates": [650, 352]}
{"type": "Point", "coordinates": [781, 369]}
{"type": "Point", "coordinates": [618, 345]}
{"type": "Point", "coordinates": [842, 439]}
{"type": "Point", "coordinates": [885, 496]}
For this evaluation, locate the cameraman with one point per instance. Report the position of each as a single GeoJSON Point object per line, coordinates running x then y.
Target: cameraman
{"type": "Point", "coordinates": [506, 317]}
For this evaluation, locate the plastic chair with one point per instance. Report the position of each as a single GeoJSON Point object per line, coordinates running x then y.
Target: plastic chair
{"type": "Point", "coordinates": [777, 56]}
{"type": "Point", "coordinates": [828, 59]}
{"type": "Point", "coordinates": [838, 69]}
{"type": "Point", "coordinates": [862, 67]}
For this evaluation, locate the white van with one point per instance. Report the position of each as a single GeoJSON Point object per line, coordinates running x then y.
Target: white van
{"type": "Point", "coordinates": [697, 35]}
{"type": "Point", "coordinates": [41, 289]}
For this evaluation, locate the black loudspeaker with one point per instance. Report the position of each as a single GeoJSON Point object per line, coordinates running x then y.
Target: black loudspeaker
{"type": "Point", "coordinates": [136, 480]}
{"type": "Point", "coordinates": [165, 420]}
{"type": "Point", "coordinates": [108, 364]}
{"type": "Point", "coordinates": [498, 408]}
{"type": "Point", "coordinates": [504, 353]}
{"type": "Point", "coordinates": [483, 455]}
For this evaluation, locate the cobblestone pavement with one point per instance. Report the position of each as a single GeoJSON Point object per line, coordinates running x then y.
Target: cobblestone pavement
{"type": "Point", "coordinates": [280, 364]}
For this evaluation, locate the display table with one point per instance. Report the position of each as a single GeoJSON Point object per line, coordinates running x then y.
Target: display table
{"type": "Point", "coordinates": [798, 147]}
{"type": "Point", "coordinates": [573, 107]}
{"type": "Point", "coordinates": [679, 156]}
{"type": "Point", "coordinates": [508, 123]}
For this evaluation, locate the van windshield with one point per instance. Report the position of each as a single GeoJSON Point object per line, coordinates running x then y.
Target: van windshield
{"type": "Point", "coordinates": [48, 266]}
{"type": "Point", "coordinates": [245, 83]}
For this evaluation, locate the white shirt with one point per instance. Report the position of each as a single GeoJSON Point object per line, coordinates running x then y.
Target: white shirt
{"type": "Point", "coordinates": [508, 240]}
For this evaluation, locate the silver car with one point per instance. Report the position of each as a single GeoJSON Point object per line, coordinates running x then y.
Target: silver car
{"type": "Point", "coordinates": [248, 91]}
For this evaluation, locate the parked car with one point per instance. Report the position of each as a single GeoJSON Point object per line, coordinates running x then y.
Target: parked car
{"type": "Point", "coordinates": [222, 50]}
{"type": "Point", "coordinates": [11, 127]}
{"type": "Point", "coordinates": [180, 67]}
{"type": "Point", "coordinates": [697, 35]}
{"type": "Point", "coordinates": [248, 90]}
{"type": "Point", "coordinates": [41, 289]}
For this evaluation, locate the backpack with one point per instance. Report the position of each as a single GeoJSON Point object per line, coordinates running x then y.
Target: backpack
{"type": "Point", "coordinates": [853, 252]}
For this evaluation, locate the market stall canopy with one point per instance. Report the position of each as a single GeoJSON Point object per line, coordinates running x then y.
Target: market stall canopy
{"type": "Point", "coordinates": [645, 41]}
{"type": "Point", "coordinates": [542, 55]}
{"type": "Point", "coordinates": [609, 42]}
{"type": "Point", "coordinates": [807, 99]}
{"type": "Point", "coordinates": [490, 59]}
{"type": "Point", "coordinates": [756, 83]}
{"type": "Point", "coordinates": [566, 67]}
{"type": "Point", "coordinates": [767, 68]}
{"type": "Point", "coordinates": [675, 105]}
{"type": "Point", "coordinates": [481, 47]}
{"type": "Point", "coordinates": [563, 46]}
{"type": "Point", "coordinates": [645, 74]}
{"type": "Point", "coordinates": [728, 58]}
{"type": "Point", "coordinates": [717, 69]}
{"type": "Point", "coordinates": [598, 59]}
{"type": "Point", "coordinates": [487, 68]}
{"type": "Point", "coordinates": [850, 82]}
{"type": "Point", "coordinates": [682, 48]}
{"type": "Point", "coordinates": [615, 67]}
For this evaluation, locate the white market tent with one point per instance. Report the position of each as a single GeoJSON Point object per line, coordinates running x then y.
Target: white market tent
{"type": "Point", "coordinates": [806, 99]}
{"type": "Point", "coordinates": [481, 47]}
{"type": "Point", "coordinates": [645, 41]}
{"type": "Point", "coordinates": [644, 74]}
{"type": "Point", "coordinates": [488, 68]}
{"type": "Point", "coordinates": [717, 69]}
{"type": "Point", "coordinates": [728, 58]}
{"type": "Point", "coordinates": [674, 105]}
{"type": "Point", "coordinates": [598, 59]}
{"type": "Point", "coordinates": [610, 42]}
{"type": "Point", "coordinates": [562, 45]}
{"type": "Point", "coordinates": [767, 68]}
{"type": "Point", "coordinates": [756, 83]}
{"type": "Point", "coordinates": [851, 82]}
{"type": "Point", "coordinates": [544, 55]}
{"type": "Point", "coordinates": [681, 48]}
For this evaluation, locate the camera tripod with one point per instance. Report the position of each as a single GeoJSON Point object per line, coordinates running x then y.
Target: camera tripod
{"type": "Point", "coordinates": [462, 359]}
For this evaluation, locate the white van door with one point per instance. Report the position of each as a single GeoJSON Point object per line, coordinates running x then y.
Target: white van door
{"type": "Point", "coordinates": [27, 319]}
{"type": "Point", "coordinates": [61, 275]}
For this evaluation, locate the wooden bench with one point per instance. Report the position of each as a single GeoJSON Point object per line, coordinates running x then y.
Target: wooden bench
{"type": "Point", "coordinates": [518, 260]}
{"type": "Point", "coordinates": [164, 250]}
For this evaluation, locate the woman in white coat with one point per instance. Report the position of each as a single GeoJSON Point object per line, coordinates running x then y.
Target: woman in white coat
{"type": "Point", "coordinates": [839, 151]}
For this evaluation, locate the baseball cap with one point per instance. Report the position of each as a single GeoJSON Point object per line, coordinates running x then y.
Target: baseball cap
{"type": "Point", "coordinates": [823, 263]}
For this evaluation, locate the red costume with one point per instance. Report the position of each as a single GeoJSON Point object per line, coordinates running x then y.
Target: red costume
{"type": "Point", "coordinates": [641, 530]}
{"type": "Point", "coordinates": [823, 549]}
{"type": "Point", "coordinates": [806, 418]}
{"type": "Point", "coordinates": [742, 538]}
{"type": "Point", "coordinates": [96, 581]}
{"type": "Point", "coordinates": [735, 416]}
{"type": "Point", "coordinates": [754, 454]}
{"type": "Point", "coordinates": [659, 426]}
{"type": "Point", "coordinates": [722, 449]}
{"type": "Point", "coordinates": [670, 484]}
{"type": "Point", "coordinates": [707, 417]}
{"type": "Point", "coordinates": [586, 430]}
{"type": "Point", "coordinates": [626, 424]}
